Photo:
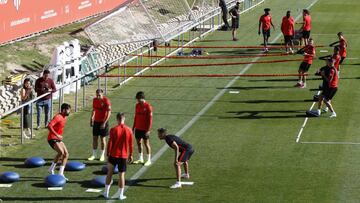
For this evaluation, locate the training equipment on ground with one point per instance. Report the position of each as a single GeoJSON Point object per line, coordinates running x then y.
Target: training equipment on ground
{"type": "Point", "coordinates": [55, 180]}
{"type": "Point", "coordinates": [104, 169]}
{"type": "Point", "coordinates": [312, 113]}
{"type": "Point", "coordinates": [98, 181]}
{"type": "Point", "coordinates": [74, 166]}
{"type": "Point", "coordinates": [35, 161]}
{"type": "Point", "coordinates": [9, 177]}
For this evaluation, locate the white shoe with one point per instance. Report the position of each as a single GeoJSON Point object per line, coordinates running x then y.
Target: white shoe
{"type": "Point", "coordinates": [52, 172]}
{"type": "Point", "coordinates": [25, 136]}
{"type": "Point", "coordinates": [148, 163]}
{"type": "Point", "coordinates": [65, 178]}
{"type": "Point", "coordinates": [185, 175]}
{"type": "Point", "coordinates": [176, 185]}
{"type": "Point", "coordinates": [122, 197]}
{"type": "Point", "coordinates": [138, 161]}
{"type": "Point", "coordinates": [102, 158]}
{"type": "Point", "coordinates": [91, 158]}
{"type": "Point", "coordinates": [325, 110]}
{"type": "Point", "coordinates": [105, 195]}
{"type": "Point", "coordinates": [333, 115]}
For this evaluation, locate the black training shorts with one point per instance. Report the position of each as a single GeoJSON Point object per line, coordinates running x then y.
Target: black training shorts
{"type": "Point", "coordinates": [288, 39]}
{"type": "Point", "coordinates": [97, 131]}
{"type": "Point", "coordinates": [120, 162]}
{"type": "Point", "coordinates": [304, 67]}
{"type": "Point", "coordinates": [186, 154]}
{"type": "Point", "coordinates": [141, 134]}
{"type": "Point", "coordinates": [266, 33]}
{"type": "Point", "coordinates": [306, 34]}
{"type": "Point", "coordinates": [52, 143]}
{"type": "Point", "coordinates": [329, 93]}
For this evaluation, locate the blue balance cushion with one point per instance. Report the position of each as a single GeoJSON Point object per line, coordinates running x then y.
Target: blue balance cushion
{"type": "Point", "coordinates": [98, 181]}
{"type": "Point", "coordinates": [104, 169]}
{"type": "Point", "coordinates": [34, 162]}
{"type": "Point", "coordinates": [55, 180]}
{"type": "Point", "coordinates": [74, 166]}
{"type": "Point", "coordinates": [9, 177]}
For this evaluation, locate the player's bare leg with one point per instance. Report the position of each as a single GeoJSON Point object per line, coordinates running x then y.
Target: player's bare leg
{"type": "Point", "coordinates": [95, 146]}
{"type": "Point", "coordinates": [328, 104]}
{"type": "Point", "coordinates": [177, 166]}
{"type": "Point", "coordinates": [109, 181]}
{"type": "Point", "coordinates": [140, 150]}
{"type": "Point", "coordinates": [186, 175]}
{"type": "Point", "coordinates": [121, 185]}
{"type": "Point", "coordinates": [102, 145]}
{"type": "Point", "coordinates": [56, 159]}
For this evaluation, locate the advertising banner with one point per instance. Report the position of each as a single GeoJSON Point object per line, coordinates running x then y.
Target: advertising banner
{"type": "Point", "coordinates": [20, 18]}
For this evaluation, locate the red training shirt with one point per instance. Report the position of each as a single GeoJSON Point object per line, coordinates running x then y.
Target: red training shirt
{"type": "Point", "coordinates": [101, 108]}
{"type": "Point", "coordinates": [334, 78]}
{"type": "Point", "coordinates": [143, 117]}
{"type": "Point", "coordinates": [121, 142]}
{"type": "Point", "coordinates": [310, 54]}
{"type": "Point", "coordinates": [287, 26]}
{"type": "Point", "coordinates": [336, 58]}
{"type": "Point", "coordinates": [343, 45]}
{"type": "Point", "coordinates": [58, 124]}
{"type": "Point", "coordinates": [307, 23]}
{"type": "Point", "coordinates": [265, 21]}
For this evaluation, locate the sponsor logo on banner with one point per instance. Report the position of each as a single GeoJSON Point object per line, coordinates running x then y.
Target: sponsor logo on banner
{"type": "Point", "coordinates": [67, 9]}
{"type": "Point", "coordinates": [19, 22]}
{"type": "Point", "coordinates": [17, 4]}
{"type": "Point", "coordinates": [3, 2]}
{"type": "Point", "coordinates": [48, 14]}
{"type": "Point", "coordinates": [85, 4]}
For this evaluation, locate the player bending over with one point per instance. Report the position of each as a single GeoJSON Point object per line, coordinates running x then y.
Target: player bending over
{"type": "Point", "coordinates": [309, 54]}
{"type": "Point", "coordinates": [183, 152]}
{"type": "Point", "coordinates": [119, 151]}
{"type": "Point", "coordinates": [265, 22]}
{"type": "Point", "coordinates": [342, 43]}
{"type": "Point", "coordinates": [330, 78]}
{"type": "Point", "coordinates": [55, 136]}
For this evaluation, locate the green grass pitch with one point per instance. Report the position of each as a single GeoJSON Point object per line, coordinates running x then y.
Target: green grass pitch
{"type": "Point", "coordinates": [245, 149]}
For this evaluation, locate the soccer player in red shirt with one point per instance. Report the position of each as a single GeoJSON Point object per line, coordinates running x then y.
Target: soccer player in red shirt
{"type": "Point", "coordinates": [119, 151]}
{"type": "Point", "coordinates": [330, 85]}
{"type": "Point", "coordinates": [99, 121]}
{"type": "Point", "coordinates": [142, 126]}
{"type": "Point", "coordinates": [55, 136]}
{"type": "Point", "coordinates": [342, 43]}
{"type": "Point", "coordinates": [265, 22]}
{"type": "Point", "coordinates": [306, 28]}
{"type": "Point", "coordinates": [309, 54]}
{"type": "Point", "coordinates": [336, 58]}
{"type": "Point", "coordinates": [183, 152]}
{"type": "Point", "coordinates": [287, 28]}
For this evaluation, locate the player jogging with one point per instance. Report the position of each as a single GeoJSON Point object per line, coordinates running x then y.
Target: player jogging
{"type": "Point", "coordinates": [183, 152]}
{"type": "Point", "coordinates": [342, 43]}
{"type": "Point", "coordinates": [306, 27]}
{"type": "Point", "coordinates": [265, 22]}
{"type": "Point", "coordinates": [99, 122]}
{"type": "Point", "coordinates": [330, 85]}
{"type": "Point", "coordinates": [287, 28]}
{"type": "Point", "coordinates": [142, 126]}
{"type": "Point", "coordinates": [55, 136]}
{"type": "Point", "coordinates": [119, 151]}
{"type": "Point", "coordinates": [309, 54]}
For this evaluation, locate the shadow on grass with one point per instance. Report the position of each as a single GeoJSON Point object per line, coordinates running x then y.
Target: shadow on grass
{"type": "Point", "coordinates": [49, 199]}
{"type": "Point", "coordinates": [140, 182]}
{"type": "Point", "coordinates": [272, 101]}
{"type": "Point", "coordinates": [295, 80]}
{"type": "Point", "coordinates": [260, 114]}
{"type": "Point", "coordinates": [258, 87]}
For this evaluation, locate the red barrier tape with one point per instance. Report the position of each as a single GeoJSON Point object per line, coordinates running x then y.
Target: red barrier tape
{"type": "Point", "coordinates": [211, 57]}
{"type": "Point", "coordinates": [201, 75]}
{"type": "Point", "coordinates": [212, 64]}
{"type": "Point", "coordinates": [234, 47]}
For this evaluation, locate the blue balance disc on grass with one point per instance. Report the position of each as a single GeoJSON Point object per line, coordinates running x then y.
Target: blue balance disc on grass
{"type": "Point", "coordinates": [55, 180]}
{"type": "Point", "coordinates": [35, 161]}
{"type": "Point", "coordinates": [98, 181]}
{"type": "Point", "coordinates": [74, 166]}
{"type": "Point", "coordinates": [104, 169]}
{"type": "Point", "coordinates": [9, 177]}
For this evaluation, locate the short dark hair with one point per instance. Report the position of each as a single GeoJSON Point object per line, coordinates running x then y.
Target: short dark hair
{"type": "Point", "coordinates": [336, 48]}
{"type": "Point", "coordinates": [140, 95]}
{"type": "Point", "coordinates": [306, 11]}
{"type": "Point", "coordinates": [65, 106]}
{"type": "Point", "coordinates": [339, 33]}
{"type": "Point", "coordinates": [267, 9]}
{"type": "Point", "coordinates": [100, 91]}
{"type": "Point", "coordinates": [162, 130]}
{"type": "Point", "coordinates": [46, 72]}
{"type": "Point", "coordinates": [120, 115]}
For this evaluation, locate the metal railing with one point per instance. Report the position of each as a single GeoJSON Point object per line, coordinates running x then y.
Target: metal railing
{"type": "Point", "coordinates": [121, 62]}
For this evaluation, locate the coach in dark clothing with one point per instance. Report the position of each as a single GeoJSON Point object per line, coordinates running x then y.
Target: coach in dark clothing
{"type": "Point", "coordinates": [224, 11]}
{"type": "Point", "coordinates": [44, 85]}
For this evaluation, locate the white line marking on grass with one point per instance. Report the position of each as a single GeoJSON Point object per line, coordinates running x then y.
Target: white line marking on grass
{"type": "Point", "coordinates": [336, 143]}
{"type": "Point", "coordinates": [158, 154]}
{"type": "Point", "coordinates": [234, 92]}
{"type": "Point", "coordinates": [352, 58]}
{"type": "Point", "coordinates": [324, 51]}
{"type": "Point", "coordinates": [305, 121]}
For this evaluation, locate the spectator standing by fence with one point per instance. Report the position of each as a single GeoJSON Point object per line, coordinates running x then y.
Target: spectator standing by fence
{"type": "Point", "coordinates": [27, 93]}
{"type": "Point", "coordinates": [44, 85]}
